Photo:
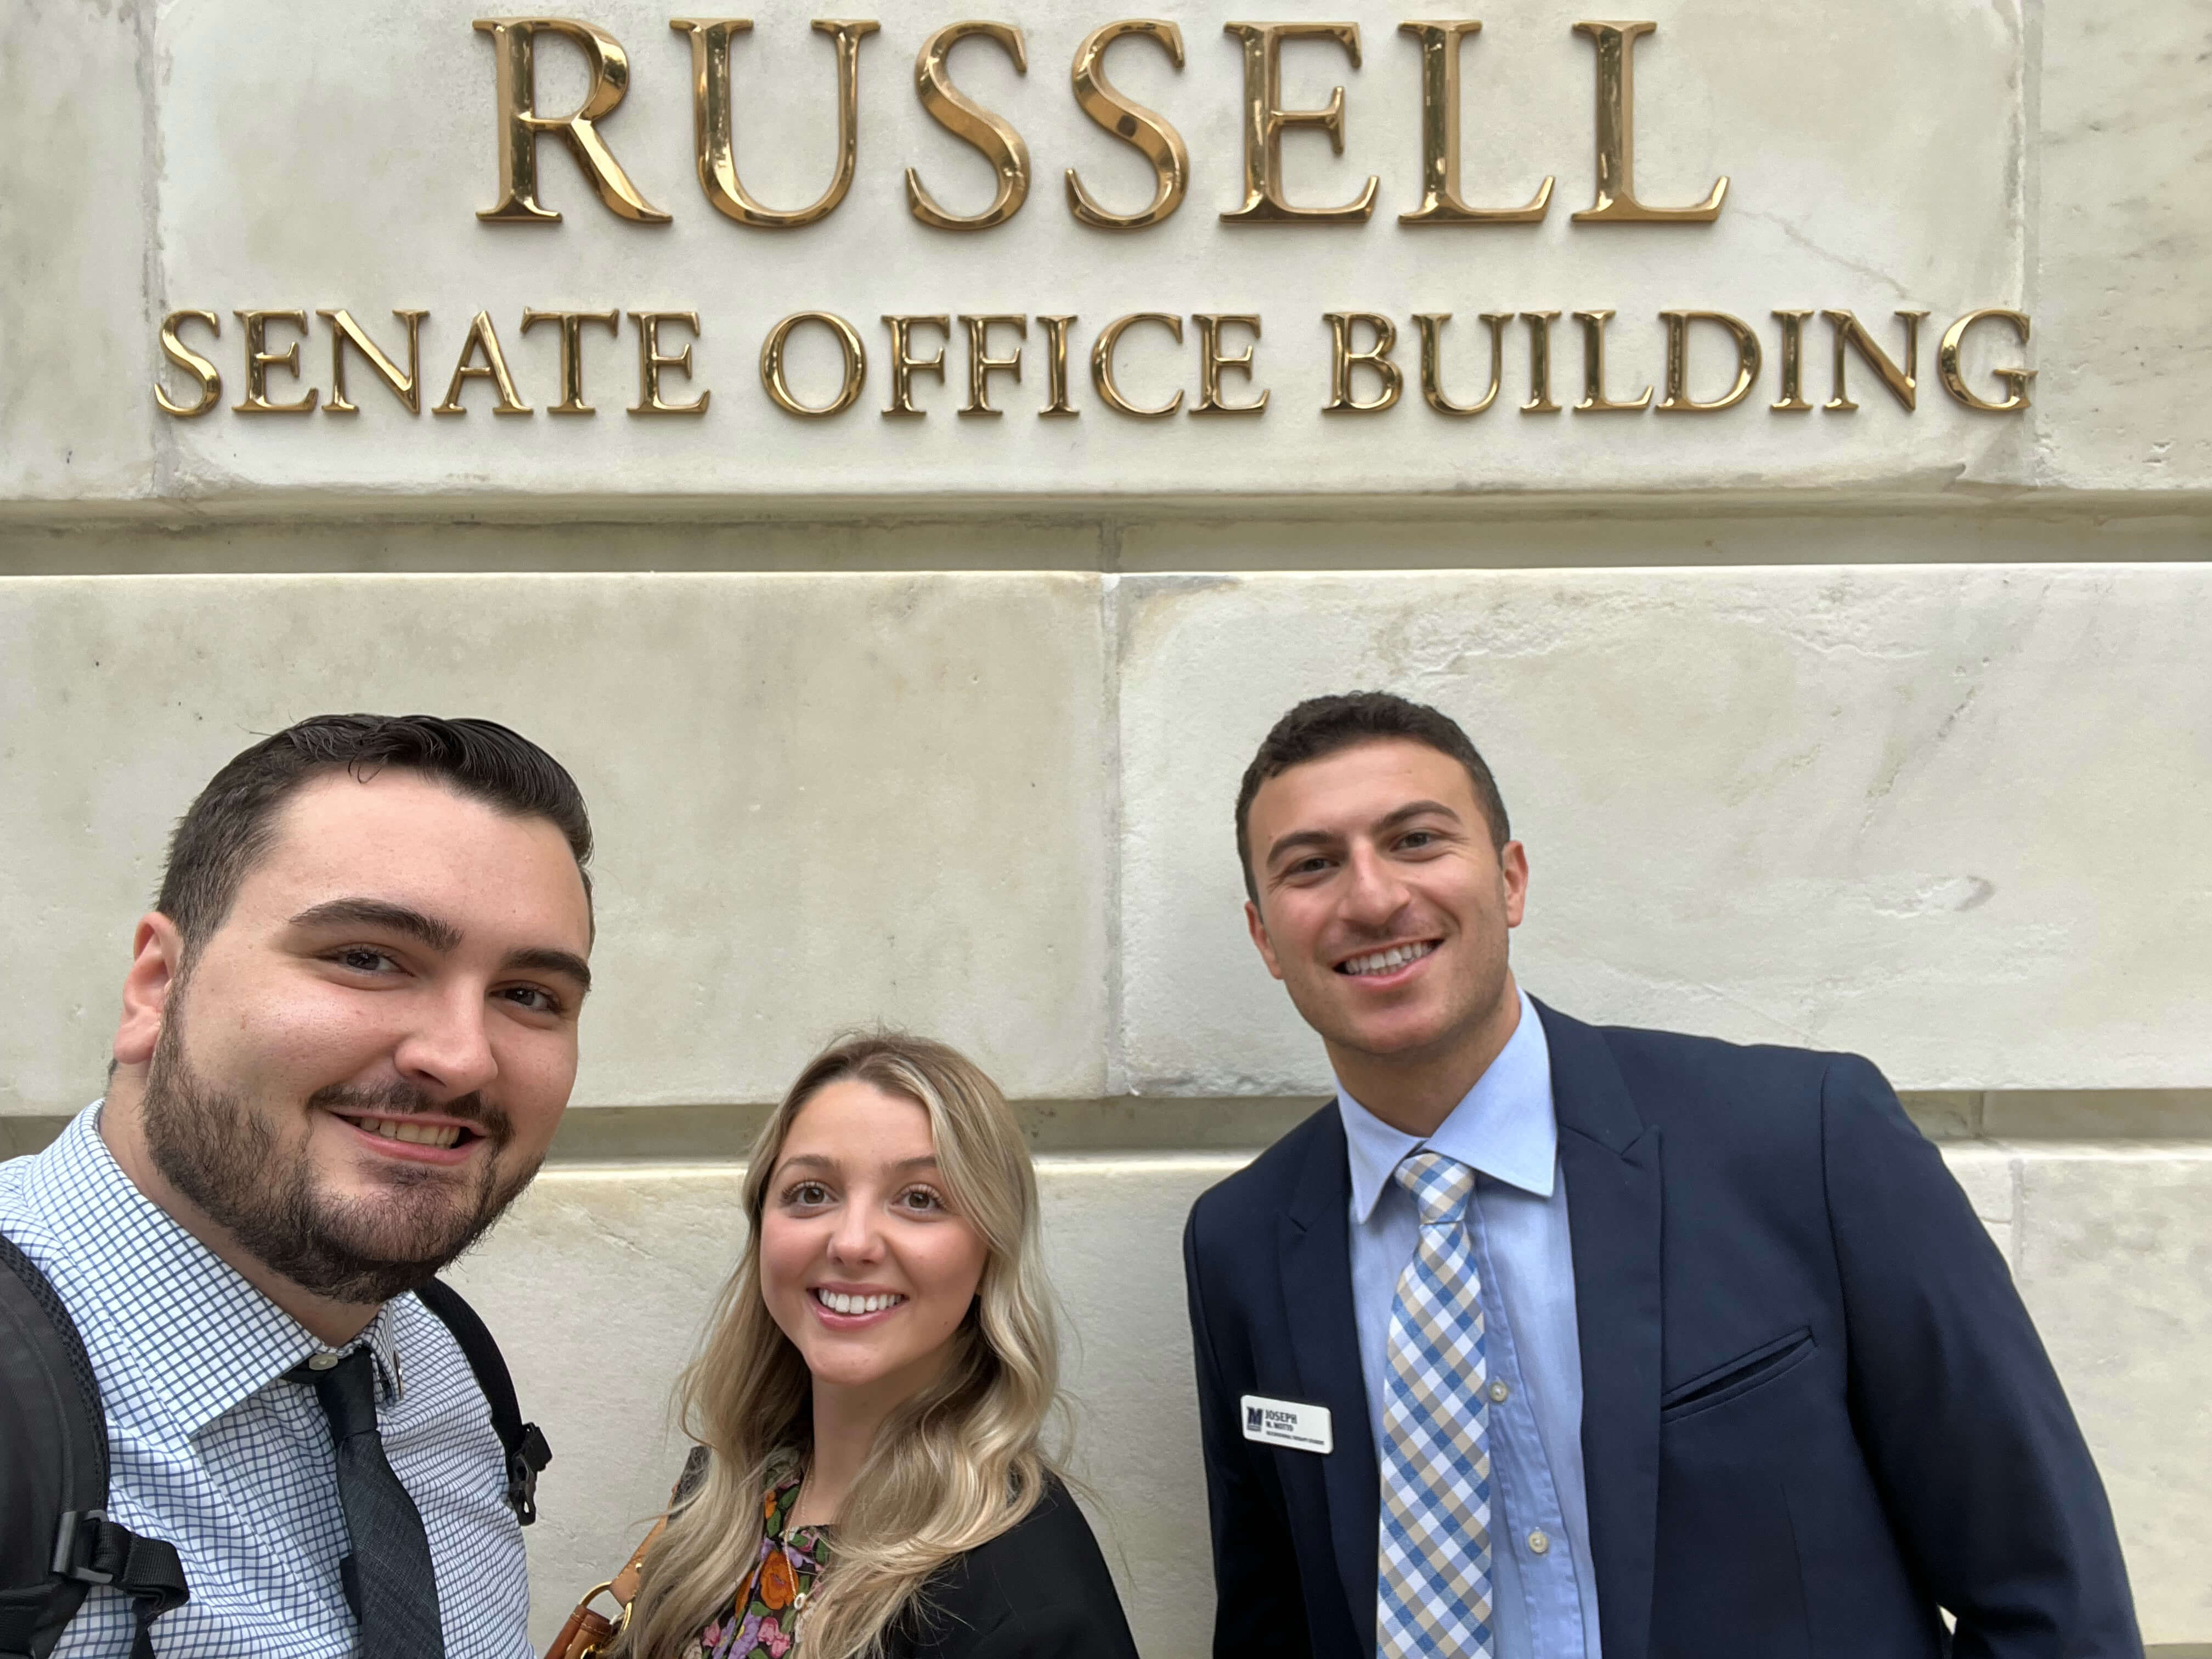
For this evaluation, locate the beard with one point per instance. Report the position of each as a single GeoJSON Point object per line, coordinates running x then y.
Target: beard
{"type": "Point", "coordinates": [226, 1156]}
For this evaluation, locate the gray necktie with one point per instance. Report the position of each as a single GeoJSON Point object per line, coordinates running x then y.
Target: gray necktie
{"type": "Point", "coordinates": [388, 1579]}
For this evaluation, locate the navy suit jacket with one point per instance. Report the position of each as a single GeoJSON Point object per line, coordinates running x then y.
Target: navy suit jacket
{"type": "Point", "coordinates": [1814, 1410]}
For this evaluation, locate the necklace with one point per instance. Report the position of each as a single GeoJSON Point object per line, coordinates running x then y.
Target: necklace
{"type": "Point", "coordinates": [798, 1597]}
{"type": "Point", "coordinates": [801, 1594]}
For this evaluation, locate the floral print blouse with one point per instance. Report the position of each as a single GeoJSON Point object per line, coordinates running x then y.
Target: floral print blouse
{"type": "Point", "coordinates": [761, 1620]}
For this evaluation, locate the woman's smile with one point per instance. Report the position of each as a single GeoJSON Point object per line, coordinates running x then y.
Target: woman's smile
{"type": "Point", "coordinates": [847, 1309]}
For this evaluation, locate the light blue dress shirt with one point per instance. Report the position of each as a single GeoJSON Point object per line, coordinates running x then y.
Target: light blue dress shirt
{"type": "Point", "coordinates": [1544, 1581]}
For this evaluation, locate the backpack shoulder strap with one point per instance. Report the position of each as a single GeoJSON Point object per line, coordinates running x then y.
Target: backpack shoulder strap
{"type": "Point", "coordinates": [56, 1540]}
{"type": "Point", "coordinates": [527, 1452]}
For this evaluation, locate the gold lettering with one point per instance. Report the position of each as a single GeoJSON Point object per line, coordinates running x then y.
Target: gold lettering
{"type": "Point", "coordinates": [981, 365]}
{"type": "Point", "coordinates": [966, 119]}
{"type": "Point", "coordinates": [1431, 324]}
{"type": "Point", "coordinates": [1101, 364]}
{"type": "Point", "coordinates": [652, 360]}
{"type": "Point", "coordinates": [1792, 400]}
{"type": "Point", "coordinates": [904, 363]}
{"type": "Point", "coordinates": [260, 360]}
{"type": "Point", "coordinates": [482, 337]}
{"type": "Point", "coordinates": [1055, 367]}
{"type": "Point", "coordinates": [1594, 400]}
{"type": "Point", "coordinates": [712, 129]}
{"type": "Point", "coordinates": [1954, 382]}
{"type": "Point", "coordinates": [1158, 142]}
{"type": "Point", "coordinates": [1440, 99]}
{"type": "Point", "coordinates": [1678, 400]}
{"type": "Point", "coordinates": [572, 352]}
{"type": "Point", "coordinates": [514, 44]}
{"type": "Point", "coordinates": [1540, 362]}
{"type": "Point", "coordinates": [1850, 332]}
{"type": "Point", "coordinates": [1266, 121]}
{"type": "Point", "coordinates": [1342, 360]}
{"type": "Point", "coordinates": [1210, 362]}
{"type": "Point", "coordinates": [855, 356]}
{"type": "Point", "coordinates": [184, 357]}
{"type": "Point", "coordinates": [345, 331]}
{"type": "Point", "coordinates": [1616, 203]}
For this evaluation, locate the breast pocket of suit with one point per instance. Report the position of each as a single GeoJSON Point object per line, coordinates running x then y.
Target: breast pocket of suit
{"type": "Point", "coordinates": [1735, 1379]}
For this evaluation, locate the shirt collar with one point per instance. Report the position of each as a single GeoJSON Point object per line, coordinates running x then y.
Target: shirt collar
{"type": "Point", "coordinates": [181, 1336]}
{"type": "Point", "coordinates": [1504, 1126]}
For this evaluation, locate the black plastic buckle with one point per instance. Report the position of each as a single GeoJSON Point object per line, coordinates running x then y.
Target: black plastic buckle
{"type": "Point", "coordinates": [523, 1464]}
{"type": "Point", "coordinates": [75, 1541]}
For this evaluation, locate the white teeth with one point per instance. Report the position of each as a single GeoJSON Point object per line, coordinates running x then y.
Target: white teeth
{"type": "Point", "coordinates": [838, 1301]}
{"type": "Point", "coordinates": [420, 1134]}
{"type": "Point", "coordinates": [1381, 962]}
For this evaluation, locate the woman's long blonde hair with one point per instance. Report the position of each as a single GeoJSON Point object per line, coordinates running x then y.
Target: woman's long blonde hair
{"type": "Point", "coordinates": [953, 1468]}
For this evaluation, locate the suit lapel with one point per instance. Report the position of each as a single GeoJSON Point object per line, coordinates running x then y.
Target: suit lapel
{"type": "Point", "coordinates": [1610, 1160]}
{"type": "Point", "coordinates": [1314, 1254]}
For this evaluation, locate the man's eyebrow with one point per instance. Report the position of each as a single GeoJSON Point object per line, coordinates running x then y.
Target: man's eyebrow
{"type": "Point", "coordinates": [1414, 809]}
{"type": "Point", "coordinates": [547, 959]}
{"type": "Point", "coordinates": [1297, 838]}
{"type": "Point", "coordinates": [381, 913]}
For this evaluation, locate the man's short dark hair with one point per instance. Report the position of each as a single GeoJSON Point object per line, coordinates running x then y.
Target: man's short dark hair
{"type": "Point", "coordinates": [230, 826]}
{"type": "Point", "coordinates": [1322, 725]}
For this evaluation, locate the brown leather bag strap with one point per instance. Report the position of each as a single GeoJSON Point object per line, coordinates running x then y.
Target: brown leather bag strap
{"type": "Point", "coordinates": [588, 1630]}
{"type": "Point", "coordinates": [624, 1583]}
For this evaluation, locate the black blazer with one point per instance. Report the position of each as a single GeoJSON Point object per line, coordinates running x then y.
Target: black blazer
{"type": "Point", "coordinates": [1813, 1408]}
{"type": "Point", "coordinates": [1040, 1590]}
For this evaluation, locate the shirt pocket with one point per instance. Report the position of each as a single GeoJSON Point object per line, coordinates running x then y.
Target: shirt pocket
{"type": "Point", "coordinates": [1745, 1373]}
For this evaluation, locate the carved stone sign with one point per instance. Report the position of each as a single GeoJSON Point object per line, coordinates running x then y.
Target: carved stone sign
{"type": "Point", "coordinates": [1359, 254]}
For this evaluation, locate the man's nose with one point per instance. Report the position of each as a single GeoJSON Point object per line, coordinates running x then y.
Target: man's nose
{"type": "Point", "coordinates": [1374, 893]}
{"type": "Point", "coordinates": [449, 1051]}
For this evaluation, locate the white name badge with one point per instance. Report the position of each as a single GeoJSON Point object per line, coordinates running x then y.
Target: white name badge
{"type": "Point", "coordinates": [1287, 1423]}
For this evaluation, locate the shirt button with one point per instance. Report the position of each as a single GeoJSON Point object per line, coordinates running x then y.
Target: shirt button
{"type": "Point", "coordinates": [1499, 1392]}
{"type": "Point", "coordinates": [1538, 1544]}
{"type": "Point", "coordinates": [321, 1362]}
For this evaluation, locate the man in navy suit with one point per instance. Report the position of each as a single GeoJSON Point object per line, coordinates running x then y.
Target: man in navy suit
{"type": "Point", "coordinates": [1547, 1340]}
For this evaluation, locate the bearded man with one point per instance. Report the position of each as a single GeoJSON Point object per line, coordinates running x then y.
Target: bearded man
{"type": "Point", "coordinates": [349, 1032]}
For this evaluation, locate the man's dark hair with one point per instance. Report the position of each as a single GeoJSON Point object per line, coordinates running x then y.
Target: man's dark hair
{"type": "Point", "coordinates": [230, 826]}
{"type": "Point", "coordinates": [1322, 725]}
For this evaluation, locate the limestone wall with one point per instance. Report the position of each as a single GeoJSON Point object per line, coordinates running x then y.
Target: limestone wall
{"type": "Point", "coordinates": [1887, 730]}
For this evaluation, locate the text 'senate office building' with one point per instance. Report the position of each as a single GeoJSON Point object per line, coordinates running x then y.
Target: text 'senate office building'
{"type": "Point", "coordinates": [904, 466]}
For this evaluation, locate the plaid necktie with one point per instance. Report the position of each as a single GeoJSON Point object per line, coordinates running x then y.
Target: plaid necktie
{"type": "Point", "coordinates": [1433, 1594]}
{"type": "Point", "coordinates": [388, 1579]}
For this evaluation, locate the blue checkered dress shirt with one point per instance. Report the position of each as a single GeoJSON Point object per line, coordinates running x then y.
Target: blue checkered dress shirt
{"type": "Point", "coordinates": [213, 1451]}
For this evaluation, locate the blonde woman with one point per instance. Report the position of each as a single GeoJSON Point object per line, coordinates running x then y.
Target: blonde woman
{"type": "Point", "coordinates": [872, 1392]}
